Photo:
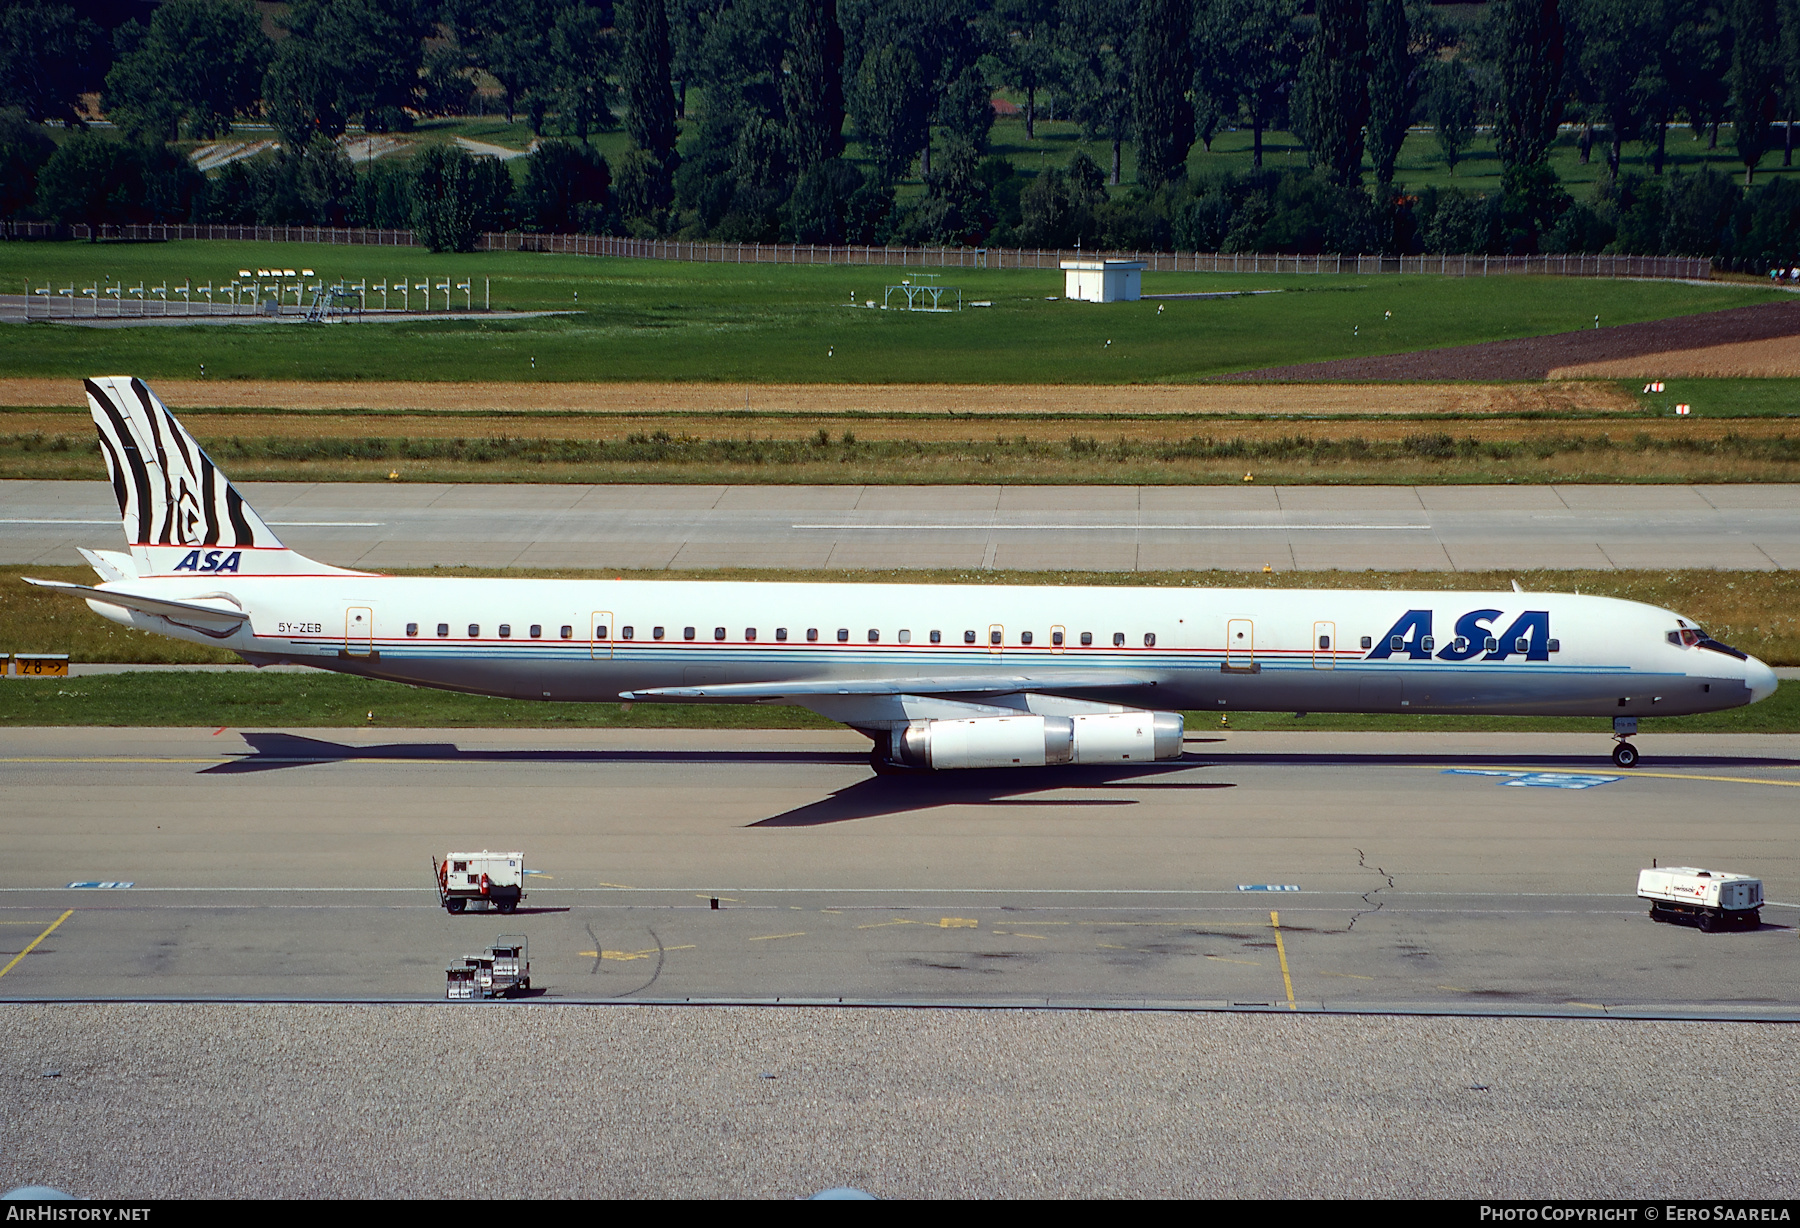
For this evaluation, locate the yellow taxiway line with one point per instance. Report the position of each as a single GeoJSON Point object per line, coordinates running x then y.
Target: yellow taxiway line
{"type": "Point", "coordinates": [1281, 950]}
{"type": "Point", "coordinates": [28, 950]}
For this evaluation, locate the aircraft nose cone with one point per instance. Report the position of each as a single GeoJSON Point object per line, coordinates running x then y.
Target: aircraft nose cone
{"type": "Point", "coordinates": [1760, 678]}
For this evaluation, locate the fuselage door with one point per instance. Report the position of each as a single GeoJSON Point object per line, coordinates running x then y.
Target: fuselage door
{"type": "Point", "coordinates": [996, 639]}
{"type": "Point", "coordinates": [359, 631]}
{"type": "Point", "coordinates": [1324, 645]}
{"type": "Point", "coordinates": [601, 634]}
{"type": "Point", "coordinates": [1240, 644]}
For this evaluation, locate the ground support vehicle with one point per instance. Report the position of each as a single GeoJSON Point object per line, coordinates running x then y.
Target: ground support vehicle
{"type": "Point", "coordinates": [1711, 899]}
{"type": "Point", "coordinates": [479, 882]}
{"type": "Point", "coordinates": [500, 971]}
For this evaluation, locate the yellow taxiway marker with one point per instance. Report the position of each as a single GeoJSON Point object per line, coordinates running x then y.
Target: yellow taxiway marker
{"type": "Point", "coordinates": [769, 937]}
{"type": "Point", "coordinates": [1281, 950]}
{"type": "Point", "coordinates": [28, 950]}
{"type": "Point", "coordinates": [623, 955]}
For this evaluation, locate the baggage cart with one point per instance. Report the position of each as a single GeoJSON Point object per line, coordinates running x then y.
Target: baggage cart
{"type": "Point", "coordinates": [500, 971]}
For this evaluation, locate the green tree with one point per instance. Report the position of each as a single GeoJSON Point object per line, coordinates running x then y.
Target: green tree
{"type": "Point", "coordinates": [567, 189]}
{"type": "Point", "coordinates": [347, 59]}
{"type": "Point", "coordinates": [49, 57]}
{"type": "Point", "coordinates": [1615, 65]}
{"type": "Point", "coordinates": [583, 54]}
{"type": "Point", "coordinates": [450, 196]}
{"type": "Point", "coordinates": [1256, 52]}
{"type": "Point", "coordinates": [448, 89]}
{"type": "Point", "coordinates": [1095, 44]}
{"type": "Point", "coordinates": [199, 65]}
{"type": "Point", "coordinates": [649, 106]}
{"type": "Point", "coordinates": [1393, 93]}
{"type": "Point", "coordinates": [1027, 51]}
{"type": "Point", "coordinates": [24, 148]}
{"type": "Point", "coordinates": [1162, 79]}
{"type": "Point", "coordinates": [1756, 78]}
{"type": "Point", "coordinates": [1530, 45]}
{"type": "Point", "coordinates": [1333, 90]}
{"type": "Point", "coordinates": [1450, 103]}
{"type": "Point", "coordinates": [814, 84]}
{"type": "Point", "coordinates": [100, 181]}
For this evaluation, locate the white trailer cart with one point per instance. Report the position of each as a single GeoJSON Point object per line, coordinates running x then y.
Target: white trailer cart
{"type": "Point", "coordinates": [498, 972]}
{"type": "Point", "coordinates": [1711, 899]}
{"type": "Point", "coordinates": [478, 882]}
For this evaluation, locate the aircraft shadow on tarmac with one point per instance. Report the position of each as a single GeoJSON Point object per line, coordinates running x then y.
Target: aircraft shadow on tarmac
{"type": "Point", "coordinates": [274, 751]}
{"type": "Point", "coordinates": [1001, 787]}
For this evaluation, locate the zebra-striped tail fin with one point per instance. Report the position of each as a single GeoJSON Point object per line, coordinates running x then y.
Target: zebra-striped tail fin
{"type": "Point", "coordinates": [180, 513]}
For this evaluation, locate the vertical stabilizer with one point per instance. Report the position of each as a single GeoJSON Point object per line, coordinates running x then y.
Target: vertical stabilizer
{"type": "Point", "coordinates": [180, 513]}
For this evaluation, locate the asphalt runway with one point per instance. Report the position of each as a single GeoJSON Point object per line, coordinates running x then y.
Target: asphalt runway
{"type": "Point", "coordinates": [1115, 528]}
{"type": "Point", "coordinates": [1487, 874]}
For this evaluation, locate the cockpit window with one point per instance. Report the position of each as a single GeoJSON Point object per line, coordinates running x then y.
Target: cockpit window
{"type": "Point", "coordinates": [1685, 638]}
{"type": "Point", "coordinates": [1693, 637]}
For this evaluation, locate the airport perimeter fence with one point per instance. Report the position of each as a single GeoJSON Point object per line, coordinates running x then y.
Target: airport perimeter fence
{"type": "Point", "coordinates": [1570, 265]}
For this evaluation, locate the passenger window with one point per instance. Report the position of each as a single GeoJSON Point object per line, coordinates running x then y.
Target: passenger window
{"type": "Point", "coordinates": [1492, 644]}
{"type": "Point", "coordinates": [1087, 638]}
{"type": "Point", "coordinates": [1554, 646]}
{"type": "Point", "coordinates": [656, 633]}
{"type": "Point", "coordinates": [968, 637]}
{"type": "Point", "coordinates": [994, 637]}
{"type": "Point", "coordinates": [906, 637]}
{"type": "Point", "coordinates": [1324, 641]}
{"type": "Point", "coordinates": [1396, 643]}
{"type": "Point", "coordinates": [937, 637]}
{"type": "Point", "coordinates": [1522, 644]}
{"type": "Point", "coordinates": [625, 633]}
{"type": "Point", "coordinates": [412, 628]}
{"type": "Point", "coordinates": [874, 636]}
{"type": "Point", "coordinates": [812, 635]}
{"type": "Point", "coordinates": [1118, 639]}
{"type": "Point", "coordinates": [443, 629]}
{"type": "Point", "coordinates": [599, 632]}
{"type": "Point", "coordinates": [718, 633]}
{"type": "Point", "coordinates": [749, 634]}
{"type": "Point", "coordinates": [1056, 638]}
{"type": "Point", "coordinates": [843, 635]}
{"type": "Point", "coordinates": [506, 631]}
{"type": "Point", "coordinates": [568, 632]}
{"type": "Point", "coordinates": [1368, 641]}
{"type": "Point", "coordinates": [1428, 643]}
{"type": "Point", "coordinates": [781, 635]}
{"type": "Point", "coordinates": [1024, 637]}
{"type": "Point", "coordinates": [474, 631]}
{"type": "Point", "coordinates": [1149, 639]}
{"type": "Point", "coordinates": [537, 631]}
{"type": "Point", "coordinates": [1460, 644]}
{"type": "Point", "coordinates": [687, 633]}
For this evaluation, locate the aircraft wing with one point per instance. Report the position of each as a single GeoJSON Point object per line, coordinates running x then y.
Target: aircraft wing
{"type": "Point", "coordinates": [145, 605]}
{"type": "Point", "coordinates": [982, 684]}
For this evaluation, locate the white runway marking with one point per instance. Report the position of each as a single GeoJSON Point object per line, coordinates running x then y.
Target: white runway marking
{"type": "Point", "coordinates": [1113, 528]}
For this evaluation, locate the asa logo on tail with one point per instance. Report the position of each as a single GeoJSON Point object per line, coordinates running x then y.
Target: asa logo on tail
{"type": "Point", "coordinates": [1528, 637]}
{"type": "Point", "coordinates": [216, 561]}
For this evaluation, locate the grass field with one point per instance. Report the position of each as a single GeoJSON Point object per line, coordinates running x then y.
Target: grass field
{"type": "Point", "coordinates": [1758, 612]}
{"type": "Point", "coordinates": [658, 320]}
{"type": "Point", "coordinates": [294, 701]}
{"type": "Point", "coordinates": [710, 449]}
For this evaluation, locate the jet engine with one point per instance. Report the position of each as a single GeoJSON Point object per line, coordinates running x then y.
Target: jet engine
{"type": "Point", "coordinates": [1036, 741]}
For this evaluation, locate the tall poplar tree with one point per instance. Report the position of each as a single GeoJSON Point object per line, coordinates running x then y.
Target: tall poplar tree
{"type": "Point", "coordinates": [1756, 78]}
{"type": "Point", "coordinates": [815, 83]}
{"type": "Point", "coordinates": [649, 101]}
{"type": "Point", "coordinates": [1530, 41]}
{"type": "Point", "coordinates": [1161, 77]}
{"type": "Point", "coordinates": [1334, 89]}
{"type": "Point", "coordinates": [1392, 91]}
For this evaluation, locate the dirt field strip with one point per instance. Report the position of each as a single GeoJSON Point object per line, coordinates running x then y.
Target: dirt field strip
{"type": "Point", "coordinates": [1776, 358]}
{"type": "Point", "coordinates": [811, 400]}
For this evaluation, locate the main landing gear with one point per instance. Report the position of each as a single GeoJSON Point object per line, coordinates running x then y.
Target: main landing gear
{"type": "Point", "coordinates": [1624, 754]}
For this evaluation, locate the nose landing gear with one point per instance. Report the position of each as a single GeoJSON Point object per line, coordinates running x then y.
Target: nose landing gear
{"type": "Point", "coordinates": [1624, 754]}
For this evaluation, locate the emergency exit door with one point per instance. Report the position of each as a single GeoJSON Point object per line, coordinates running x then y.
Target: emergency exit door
{"type": "Point", "coordinates": [359, 631]}
{"type": "Point", "coordinates": [1240, 644]}
{"type": "Point", "coordinates": [1324, 645]}
{"type": "Point", "coordinates": [601, 634]}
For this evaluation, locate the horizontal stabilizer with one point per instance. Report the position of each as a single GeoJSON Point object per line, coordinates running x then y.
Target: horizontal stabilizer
{"type": "Point", "coordinates": [989, 684]}
{"type": "Point", "coordinates": [183, 610]}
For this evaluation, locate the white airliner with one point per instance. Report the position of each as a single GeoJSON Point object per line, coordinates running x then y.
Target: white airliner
{"type": "Point", "coordinates": [938, 676]}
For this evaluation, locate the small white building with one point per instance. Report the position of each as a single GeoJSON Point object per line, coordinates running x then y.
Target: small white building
{"type": "Point", "coordinates": [1103, 281]}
